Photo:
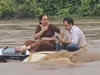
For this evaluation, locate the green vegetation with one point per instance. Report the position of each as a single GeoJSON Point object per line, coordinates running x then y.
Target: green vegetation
{"type": "Point", "coordinates": [34, 8]}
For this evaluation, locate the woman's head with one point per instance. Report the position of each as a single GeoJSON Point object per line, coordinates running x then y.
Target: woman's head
{"type": "Point", "coordinates": [43, 20]}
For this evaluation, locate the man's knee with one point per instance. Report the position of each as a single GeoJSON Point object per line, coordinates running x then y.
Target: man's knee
{"type": "Point", "coordinates": [58, 47]}
{"type": "Point", "coordinates": [72, 47]}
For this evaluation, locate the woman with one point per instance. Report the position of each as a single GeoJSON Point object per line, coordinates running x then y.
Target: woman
{"type": "Point", "coordinates": [45, 39]}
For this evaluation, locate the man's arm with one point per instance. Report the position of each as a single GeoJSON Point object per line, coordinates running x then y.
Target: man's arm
{"type": "Point", "coordinates": [62, 40]}
{"type": "Point", "coordinates": [76, 37]}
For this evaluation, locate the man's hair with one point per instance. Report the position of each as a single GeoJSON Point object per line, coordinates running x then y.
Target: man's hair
{"type": "Point", "coordinates": [69, 20]}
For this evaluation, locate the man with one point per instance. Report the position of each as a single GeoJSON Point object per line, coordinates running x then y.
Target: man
{"type": "Point", "coordinates": [72, 38]}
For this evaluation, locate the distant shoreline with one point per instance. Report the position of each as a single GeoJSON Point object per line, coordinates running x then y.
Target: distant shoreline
{"type": "Point", "coordinates": [30, 21]}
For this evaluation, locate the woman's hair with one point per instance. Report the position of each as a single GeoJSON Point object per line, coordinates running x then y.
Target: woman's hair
{"type": "Point", "coordinates": [40, 17]}
{"type": "Point", "coordinates": [69, 20]}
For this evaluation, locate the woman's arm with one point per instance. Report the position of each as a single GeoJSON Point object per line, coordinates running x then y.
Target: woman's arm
{"type": "Point", "coordinates": [49, 38]}
{"type": "Point", "coordinates": [40, 33]}
{"type": "Point", "coordinates": [37, 35]}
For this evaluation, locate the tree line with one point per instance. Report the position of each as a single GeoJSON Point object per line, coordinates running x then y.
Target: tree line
{"type": "Point", "coordinates": [34, 8]}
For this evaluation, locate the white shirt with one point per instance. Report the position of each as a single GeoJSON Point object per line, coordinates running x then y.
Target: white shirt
{"type": "Point", "coordinates": [76, 36]}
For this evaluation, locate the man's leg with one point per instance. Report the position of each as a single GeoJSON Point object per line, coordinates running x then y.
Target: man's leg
{"type": "Point", "coordinates": [71, 47]}
{"type": "Point", "coordinates": [58, 47]}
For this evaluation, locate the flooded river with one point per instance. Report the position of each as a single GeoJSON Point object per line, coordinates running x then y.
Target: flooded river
{"type": "Point", "coordinates": [13, 33]}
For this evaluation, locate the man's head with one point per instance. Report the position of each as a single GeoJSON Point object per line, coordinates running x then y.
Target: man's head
{"type": "Point", "coordinates": [68, 22]}
{"type": "Point", "coordinates": [43, 20]}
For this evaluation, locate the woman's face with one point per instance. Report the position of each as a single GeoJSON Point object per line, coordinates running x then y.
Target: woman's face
{"type": "Point", "coordinates": [67, 25]}
{"type": "Point", "coordinates": [44, 20]}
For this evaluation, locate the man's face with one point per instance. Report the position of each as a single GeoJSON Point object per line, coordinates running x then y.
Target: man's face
{"type": "Point", "coordinates": [44, 20]}
{"type": "Point", "coordinates": [67, 26]}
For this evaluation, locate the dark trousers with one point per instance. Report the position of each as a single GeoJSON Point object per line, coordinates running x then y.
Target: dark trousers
{"type": "Point", "coordinates": [68, 47]}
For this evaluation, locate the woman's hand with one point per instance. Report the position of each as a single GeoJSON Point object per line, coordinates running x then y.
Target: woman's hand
{"type": "Point", "coordinates": [48, 38]}
{"type": "Point", "coordinates": [44, 28]}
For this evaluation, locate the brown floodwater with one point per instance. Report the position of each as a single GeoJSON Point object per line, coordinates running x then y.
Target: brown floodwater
{"type": "Point", "coordinates": [13, 33]}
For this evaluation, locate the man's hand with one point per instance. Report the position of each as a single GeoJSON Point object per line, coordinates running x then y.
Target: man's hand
{"type": "Point", "coordinates": [65, 41]}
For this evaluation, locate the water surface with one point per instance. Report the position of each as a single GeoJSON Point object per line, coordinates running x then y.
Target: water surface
{"type": "Point", "coordinates": [14, 33]}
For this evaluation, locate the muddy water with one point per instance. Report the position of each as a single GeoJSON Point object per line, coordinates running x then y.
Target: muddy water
{"type": "Point", "coordinates": [14, 33]}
